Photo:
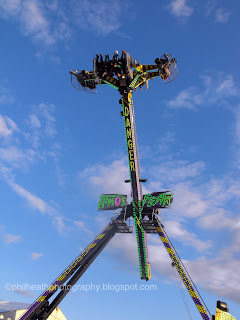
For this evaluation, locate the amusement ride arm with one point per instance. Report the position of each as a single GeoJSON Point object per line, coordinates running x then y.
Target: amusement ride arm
{"type": "Point", "coordinates": [176, 261]}
{"type": "Point", "coordinates": [42, 308]}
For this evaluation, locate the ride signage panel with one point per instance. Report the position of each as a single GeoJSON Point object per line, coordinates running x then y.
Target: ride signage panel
{"type": "Point", "coordinates": [222, 315]}
{"type": "Point", "coordinates": [112, 201]}
{"type": "Point", "coordinates": [157, 200]}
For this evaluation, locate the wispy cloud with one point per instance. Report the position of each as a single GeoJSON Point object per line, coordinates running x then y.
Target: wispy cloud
{"type": "Point", "coordinates": [5, 96]}
{"type": "Point", "coordinates": [207, 202]}
{"type": "Point", "coordinates": [180, 8]}
{"type": "Point", "coordinates": [222, 15]}
{"type": "Point", "coordinates": [42, 124]}
{"type": "Point", "coordinates": [24, 293]}
{"type": "Point", "coordinates": [4, 128]}
{"type": "Point", "coordinates": [36, 256]}
{"type": "Point", "coordinates": [38, 133]}
{"type": "Point", "coordinates": [236, 134]}
{"type": "Point", "coordinates": [50, 22]}
{"type": "Point", "coordinates": [177, 231]}
{"type": "Point", "coordinates": [100, 16]}
{"type": "Point", "coordinates": [210, 6]}
{"type": "Point", "coordinates": [176, 171]}
{"type": "Point", "coordinates": [81, 225]}
{"type": "Point", "coordinates": [217, 268]}
{"type": "Point", "coordinates": [210, 91]}
{"type": "Point", "coordinates": [12, 238]}
{"type": "Point", "coordinates": [33, 140]}
{"type": "Point", "coordinates": [16, 157]}
{"type": "Point", "coordinates": [34, 201]}
{"type": "Point", "coordinates": [37, 19]}
{"type": "Point", "coordinates": [107, 178]}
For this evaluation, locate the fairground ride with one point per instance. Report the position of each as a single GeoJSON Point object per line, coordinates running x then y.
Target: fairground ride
{"type": "Point", "coordinates": [125, 75]}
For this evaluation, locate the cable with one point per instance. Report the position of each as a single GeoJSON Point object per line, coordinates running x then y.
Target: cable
{"type": "Point", "coordinates": [182, 293]}
{"type": "Point", "coordinates": [186, 272]}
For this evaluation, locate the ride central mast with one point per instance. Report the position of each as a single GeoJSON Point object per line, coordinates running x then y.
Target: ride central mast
{"type": "Point", "coordinates": [125, 74]}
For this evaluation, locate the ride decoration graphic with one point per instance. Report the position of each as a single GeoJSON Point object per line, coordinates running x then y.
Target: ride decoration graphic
{"type": "Point", "coordinates": [129, 136]}
{"type": "Point", "coordinates": [112, 201]}
{"type": "Point", "coordinates": [157, 200]}
{"type": "Point", "coordinates": [222, 315]}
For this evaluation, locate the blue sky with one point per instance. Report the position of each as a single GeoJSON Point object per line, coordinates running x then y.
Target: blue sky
{"type": "Point", "coordinates": [61, 148]}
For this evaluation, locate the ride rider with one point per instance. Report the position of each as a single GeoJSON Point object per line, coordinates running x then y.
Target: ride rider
{"type": "Point", "coordinates": [163, 65]}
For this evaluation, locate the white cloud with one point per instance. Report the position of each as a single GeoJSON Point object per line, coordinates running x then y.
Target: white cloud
{"type": "Point", "coordinates": [227, 87]}
{"type": "Point", "coordinates": [16, 157]}
{"type": "Point", "coordinates": [126, 246]}
{"type": "Point", "coordinates": [211, 91]}
{"type": "Point", "coordinates": [34, 121]}
{"type": "Point", "coordinates": [107, 178]}
{"type": "Point", "coordinates": [34, 22]}
{"type": "Point", "coordinates": [79, 224]}
{"type": "Point", "coordinates": [46, 111]}
{"type": "Point", "coordinates": [42, 124]}
{"type": "Point", "coordinates": [37, 20]}
{"type": "Point", "coordinates": [48, 22]}
{"type": "Point", "coordinates": [11, 238]}
{"type": "Point", "coordinates": [58, 221]}
{"type": "Point", "coordinates": [189, 202]}
{"type": "Point", "coordinates": [221, 271]}
{"type": "Point", "coordinates": [221, 275]}
{"type": "Point", "coordinates": [7, 305]}
{"type": "Point", "coordinates": [10, 7]}
{"type": "Point", "coordinates": [34, 201]}
{"type": "Point", "coordinates": [222, 15]}
{"type": "Point", "coordinates": [208, 203]}
{"type": "Point", "coordinates": [217, 220]}
{"type": "Point", "coordinates": [176, 171]}
{"type": "Point", "coordinates": [179, 8]}
{"type": "Point", "coordinates": [100, 16]}
{"type": "Point", "coordinates": [5, 97]}
{"type": "Point", "coordinates": [24, 293]}
{"type": "Point", "coordinates": [4, 129]}
{"type": "Point", "coordinates": [210, 6]}
{"type": "Point", "coordinates": [36, 255]}
{"type": "Point", "coordinates": [178, 232]}
{"type": "Point", "coordinates": [52, 4]}
{"type": "Point", "coordinates": [236, 135]}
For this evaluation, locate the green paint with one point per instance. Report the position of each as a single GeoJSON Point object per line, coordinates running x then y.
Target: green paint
{"type": "Point", "coordinates": [110, 84]}
{"type": "Point", "coordinates": [162, 200]}
{"type": "Point", "coordinates": [132, 84]}
{"type": "Point", "coordinates": [135, 217]}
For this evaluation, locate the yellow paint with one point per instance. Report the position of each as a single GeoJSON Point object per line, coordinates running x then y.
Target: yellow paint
{"type": "Point", "coordinates": [129, 133]}
{"type": "Point", "coordinates": [149, 271]}
{"type": "Point", "coordinates": [132, 166]}
{"type": "Point", "coordinates": [128, 123]}
{"type": "Point", "coordinates": [131, 155]}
